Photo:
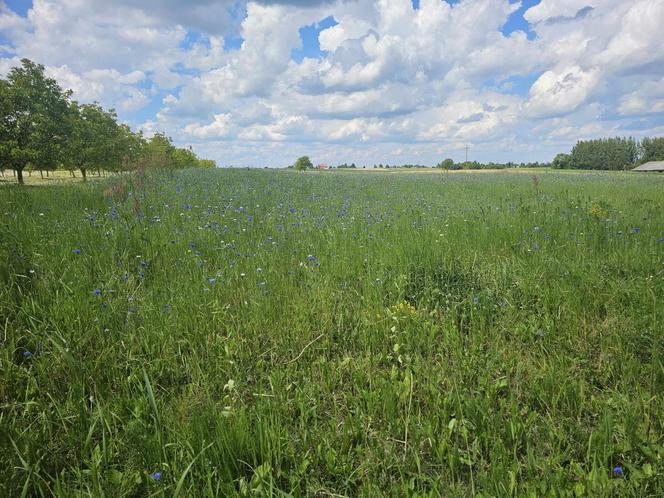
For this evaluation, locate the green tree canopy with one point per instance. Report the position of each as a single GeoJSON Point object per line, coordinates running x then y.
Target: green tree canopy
{"type": "Point", "coordinates": [303, 163]}
{"type": "Point", "coordinates": [33, 109]}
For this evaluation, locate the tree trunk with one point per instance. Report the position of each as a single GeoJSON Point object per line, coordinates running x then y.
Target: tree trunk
{"type": "Point", "coordinates": [19, 173]}
{"type": "Point", "coordinates": [30, 173]}
{"type": "Point", "coordinates": [42, 174]}
{"type": "Point", "coordinates": [85, 178]}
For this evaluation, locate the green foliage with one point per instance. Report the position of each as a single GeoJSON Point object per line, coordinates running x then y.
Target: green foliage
{"type": "Point", "coordinates": [303, 163]}
{"type": "Point", "coordinates": [562, 161]}
{"type": "Point", "coordinates": [41, 129]}
{"type": "Point", "coordinates": [606, 153]}
{"type": "Point", "coordinates": [446, 164]}
{"type": "Point", "coordinates": [652, 149]}
{"type": "Point", "coordinates": [95, 139]}
{"type": "Point", "coordinates": [266, 333]}
{"type": "Point", "coordinates": [32, 110]}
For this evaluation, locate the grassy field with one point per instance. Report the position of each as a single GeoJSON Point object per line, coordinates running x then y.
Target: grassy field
{"type": "Point", "coordinates": [273, 333]}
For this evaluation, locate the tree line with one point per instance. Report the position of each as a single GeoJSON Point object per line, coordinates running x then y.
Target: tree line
{"type": "Point", "coordinates": [43, 129]}
{"type": "Point", "coordinates": [617, 153]}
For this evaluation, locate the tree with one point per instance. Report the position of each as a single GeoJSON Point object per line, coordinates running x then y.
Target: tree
{"type": "Point", "coordinates": [606, 153]}
{"type": "Point", "coordinates": [303, 163]}
{"type": "Point", "coordinates": [94, 138]}
{"type": "Point", "coordinates": [562, 161]}
{"type": "Point", "coordinates": [32, 110]}
{"type": "Point", "coordinates": [130, 147]}
{"type": "Point", "coordinates": [158, 152]}
{"type": "Point", "coordinates": [446, 164]}
{"type": "Point", "coordinates": [652, 149]}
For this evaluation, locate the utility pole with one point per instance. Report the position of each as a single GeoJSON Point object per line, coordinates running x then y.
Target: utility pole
{"type": "Point", "coordinates": [466, 153]}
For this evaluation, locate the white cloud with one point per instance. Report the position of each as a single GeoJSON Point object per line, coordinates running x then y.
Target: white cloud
{"type": "Point", "coordinates": [414, 83]}
{"type": "Point", "coordinates": [560, 91]}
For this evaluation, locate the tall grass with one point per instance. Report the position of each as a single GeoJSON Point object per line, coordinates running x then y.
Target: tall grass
{"type": "Point", "coordinates": [261, 333]}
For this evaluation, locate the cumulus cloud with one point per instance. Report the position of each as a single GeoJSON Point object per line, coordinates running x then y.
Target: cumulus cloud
{"type": "Point", "coordinates": [384, 80]}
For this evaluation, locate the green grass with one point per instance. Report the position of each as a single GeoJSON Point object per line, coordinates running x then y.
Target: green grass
{"type": "Point", "coordinates": [332, 334]}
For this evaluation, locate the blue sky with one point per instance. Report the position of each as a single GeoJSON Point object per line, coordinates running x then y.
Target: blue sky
{"type": "Point", "coordinates": [367, 81]}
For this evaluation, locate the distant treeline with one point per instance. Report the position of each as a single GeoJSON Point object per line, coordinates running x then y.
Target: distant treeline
{"type": "Point", "coordinates": [451, 165]}
{"type": "Point", "coordinates": [611, 154]}
{"type": "Point", "coordinates": [43, 129]}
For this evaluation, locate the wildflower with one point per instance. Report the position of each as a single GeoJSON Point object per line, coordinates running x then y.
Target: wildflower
{"type": "Point", "coordinates": [144, 264]}
{"type": "Point", "coordinates": [97, 292]}
{"type": "Point", "coordinates": [212, 281]}
{"type": "Point", "coordinates": [192, 244]}
{"type": "Point", "coordinates": [27, 354]}
{"type": "Point", "coordinates": [156, 476]}
{"type": "Point", "coordinates": [166, 307]}
{"type": "Point", "coordinates": [661, 240]}
{"type": "Point", "coordinates": [198, 253]}
{"type": "Point", "coordinates": [311, 258]}
{"type": "Point", "coordinates": [131, 309]}
{"type": "Point", "coordinates": [476, 299]}
{"type": "Point", "coordinates": [76, 251]}
{"type": "Point", "coordinates": [540, 333]}
{"type": "Point", "coordinates": [636, 230]}
{"type": "Point", "coordinates": [618, 471]}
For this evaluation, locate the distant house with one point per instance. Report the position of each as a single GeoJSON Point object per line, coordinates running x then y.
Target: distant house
{"type": "Point", "coordinates": [651, 166]}
{"type": "Point", "coordinates": [323, 166]}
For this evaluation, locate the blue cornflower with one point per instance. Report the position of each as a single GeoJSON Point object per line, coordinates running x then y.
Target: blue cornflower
{"type": "Point", "coordinates": [166, 307]}
{"type": "Point", "coordinates": [476, 299]}
{"type": "Point", "coordinates": [76, 251]}
{"type": "Point", "coordinates": [250, 218]}
{"type": "Point", "coordinates": [636, 230]}
{"type": "Point", "coordinates": [156, 476]}
{"type": "Point", "coordinates": [311, 258]}
{"type": "Point", "coordinates": [125, 277]}
{"type": "Point", "coordinates": [618, 471]}
{"type": "Point", "coordinates": [192, 244]}
{"type": "Point", "coordinates": [143, 264]}
{"type": "Point", "coordinates": [131, 309]}
{"type": "Point", "coordinates": [198, 253]}
{"type": "Point", "coordinates": [661, 240]}
{"type": "Point", "coordinates": [97, 292]}
{"type": "Point", "coordinates": [292, 210]}
{"type": "Point", "coordinates": [212, 281]}
{"type": "Point", "coordinates": [27, 354]}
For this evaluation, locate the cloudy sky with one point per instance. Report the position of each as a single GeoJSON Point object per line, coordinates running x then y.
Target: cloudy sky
{"type": "Point", "coordinates": [260, 82]}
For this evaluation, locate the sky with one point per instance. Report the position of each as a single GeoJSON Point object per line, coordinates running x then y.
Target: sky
{"type": "Point", "coordinates": [262, 82]}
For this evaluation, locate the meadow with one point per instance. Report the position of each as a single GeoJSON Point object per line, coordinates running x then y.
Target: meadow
{"type": "Point", "coordinates": [275, 333]}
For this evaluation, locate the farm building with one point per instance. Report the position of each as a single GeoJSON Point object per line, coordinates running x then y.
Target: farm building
{"type": "Point", "coordinates": [651, 166]}
{"type": "Point", "coordinates": [323, 166]}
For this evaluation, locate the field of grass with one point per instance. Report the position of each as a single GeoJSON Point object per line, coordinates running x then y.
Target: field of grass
{"type": "Point", "coordinates": [273, 333]}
